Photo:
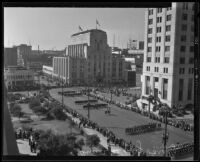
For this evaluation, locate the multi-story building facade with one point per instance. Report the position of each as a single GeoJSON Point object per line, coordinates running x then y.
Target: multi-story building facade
{"type": "Point", "coordinates": [47, 70]}
{"type": "Point", "coordinates": [88, 58]}
{"type": "Point", "coordinates": [69, 69]}
{"type": "Point", "coordinates": [16, 76]}
{"type": "Point", "coordinates": [169, 54]}
{"type": "Point", "coordinates": [10, 57]}
{"type": "Point", "coordinates": [23, 53]}
{"type": "Point", "coordinates": [91, 45]}
{"type": "Point", "coordinates": [118, 69]}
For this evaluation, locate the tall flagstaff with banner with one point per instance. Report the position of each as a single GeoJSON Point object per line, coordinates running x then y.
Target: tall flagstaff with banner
{"type": "Point", "coordinates": [97, 23]}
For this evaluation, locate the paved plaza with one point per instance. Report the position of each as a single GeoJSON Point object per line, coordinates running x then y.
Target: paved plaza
{"type": "Point", "coordinates": [119, 119]}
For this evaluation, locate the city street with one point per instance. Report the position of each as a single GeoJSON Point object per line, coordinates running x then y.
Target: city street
{"type": "Point", "coordinates": [119, 119]}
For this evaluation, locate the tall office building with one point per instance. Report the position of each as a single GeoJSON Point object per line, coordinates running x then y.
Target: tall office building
{"type": "Point", "coordinates": [10, 57]}
{"type": "Point", "coordinates": [91, 45]}
{"type": "Point", "coordinates": [23, 53]}
{"type": "Point", "coordinates": [169, 54]}
{"type": "Point", "coordinates": [88, 58]}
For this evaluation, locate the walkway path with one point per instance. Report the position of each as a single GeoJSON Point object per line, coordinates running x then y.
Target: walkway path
{"type": "Point", "coordinates": [103, 140]}
{"type": "Point", "coordinates": [24, 147]}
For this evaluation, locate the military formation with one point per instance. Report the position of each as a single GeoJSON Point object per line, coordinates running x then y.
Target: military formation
{"type": "Point", "coordinates": [143, 128]}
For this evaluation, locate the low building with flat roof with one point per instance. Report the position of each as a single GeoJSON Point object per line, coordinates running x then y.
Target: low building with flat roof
{"type": "Point", "coordinates": [17, 76]}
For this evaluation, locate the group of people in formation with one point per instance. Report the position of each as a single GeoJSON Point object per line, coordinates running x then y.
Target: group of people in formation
{"type": "Point", "coordinates": [143, 128]}
{"type": "Point", "coordinates": [180, 149]}
{"type": "Point", "coordinates": [182, 124]}
{"type": "Point", "coordinates": [111, 138]}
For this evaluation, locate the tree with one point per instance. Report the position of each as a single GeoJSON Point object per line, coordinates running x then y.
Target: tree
{"type": "Point", "coordinates": [34, 102]}
{"type": "Point", "coordinates": [56, 145]}
{"type": "Point", "coordinates": [71, 125]}
{"type": "Point", "coordinates": [16, 111]}
{"type": "Point", "coordinates": [39, 110]}
{"type": "Point", "coordinates": [92, 141]}
{"type": "Point", "coordinates": [59, 114]}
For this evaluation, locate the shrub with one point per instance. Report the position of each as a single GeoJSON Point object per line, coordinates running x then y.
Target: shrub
{"type": "Point", "coordinates": [34, 102]}
{"type": "Point", "coordinates": [39, 110]}
{"type": "Point", "coordinates": [134, 104]}
{"type": "Point", "coordinates": [16, 111]}
{"type": "Point", "coordinates": [59, 114]}
{"type": "Point", "coordinates": [92, 140]}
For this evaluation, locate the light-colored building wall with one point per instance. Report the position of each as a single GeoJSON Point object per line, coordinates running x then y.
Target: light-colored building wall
{"type": "Point", "coordinates": [168, 70]}
{"type": "Point", "coordinates": [48, 70]}
{"type": "Point", "coordinates": [88, 57]}
{"type": "Point", "coordinates": [17, 76]}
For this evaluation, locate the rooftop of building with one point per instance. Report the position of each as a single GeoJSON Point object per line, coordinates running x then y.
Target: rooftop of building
{"type": "Point", "coordinates": [87, 31]}
{"type": "Point", "coordinates": [15, 68]}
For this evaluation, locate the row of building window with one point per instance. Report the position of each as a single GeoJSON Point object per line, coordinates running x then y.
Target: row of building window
{"type": "Point", "coordinates": [158, 48]}
{"type": "Point", "coordinates": [184, 7]}
{"type": "Point", "coordinates": [159, 10]}
{"type": "Point", "coordinates": [169, 17]}
{"type": "Point", "coordinates": [168, 28]}
{"type": "Point", "coordinates": [165, 70]}
{"type": "Point", "coordinates": [12, 77]}
{"type": "Point", "coordinates": [167, 49]}
{"type": "Point", "coordinates": [159, 19]}
{"type": "Point", "coordinates": [182, 71]}
{"type": "Point", "coordinates": [166, 60]}
{"type": "Point", "coordinates": [182, 60]}
{"type": "Point", "coordinates": [168, 39]}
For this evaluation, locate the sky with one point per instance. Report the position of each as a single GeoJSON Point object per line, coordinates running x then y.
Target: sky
{"type": "Point", "coordinates": [51, 28]}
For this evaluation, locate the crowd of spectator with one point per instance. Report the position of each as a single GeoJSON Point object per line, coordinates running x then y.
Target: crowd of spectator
{"type": "Point", "coordinates": [111, 137]}
{"type": "Point", "coordinates": [29, 135]}
{"type": "Point", "coordinates": [183, 124]}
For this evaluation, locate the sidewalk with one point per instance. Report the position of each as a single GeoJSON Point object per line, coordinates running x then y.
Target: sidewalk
{"type": "Point", "coordinates": [24, 147]}
{"type": "Point", "coordinates": [103, 140]}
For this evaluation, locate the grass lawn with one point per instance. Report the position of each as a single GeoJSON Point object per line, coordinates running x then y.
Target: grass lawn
{"type": "Point", "coordinates": [26, 109]}
{"type": "Point", "coordinates": [60, 127]}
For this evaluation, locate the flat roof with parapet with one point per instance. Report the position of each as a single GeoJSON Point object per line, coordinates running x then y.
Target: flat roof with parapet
{"type": "Point", "coordinates": [16, 68]}
{"type": "Point", "coordinates": [87, 31]}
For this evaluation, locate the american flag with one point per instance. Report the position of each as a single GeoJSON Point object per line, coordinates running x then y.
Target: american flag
{"type": "Point", "coordinates": [80, 28]}
{"type": "Point", "coordinates": [97, 22]}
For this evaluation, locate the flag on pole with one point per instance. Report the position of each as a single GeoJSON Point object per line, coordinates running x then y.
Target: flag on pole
{"type": "Point", "coordinates": [97, 23]}
{"type": "Point", "coordinates": [80, 28]}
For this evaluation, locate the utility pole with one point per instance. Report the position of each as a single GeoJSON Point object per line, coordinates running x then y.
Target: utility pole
{"type": "Point", "coordinates": [165, 134]}
{"type": "Point", "coordinates": [110, 99]}
{"type": "Point", "coordinates": [39, 82]}
{"type": "Point", "coordinates": [88, 103]}
{"type": "Point", "coordinates": [62, 94]}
